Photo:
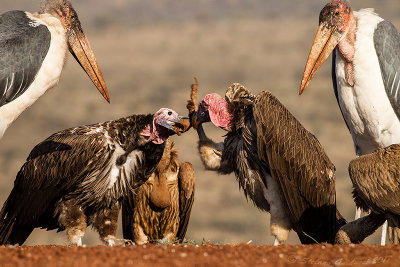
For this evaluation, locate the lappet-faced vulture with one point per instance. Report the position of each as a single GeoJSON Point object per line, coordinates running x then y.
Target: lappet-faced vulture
{"type": "Point", "coordinates": [279, 165]}
{"type": "Point", "coordinates": [78, 176]}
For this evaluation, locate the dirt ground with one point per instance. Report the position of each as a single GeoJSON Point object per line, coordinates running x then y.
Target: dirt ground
{"type": "Point", "coordinates": [201, 255]}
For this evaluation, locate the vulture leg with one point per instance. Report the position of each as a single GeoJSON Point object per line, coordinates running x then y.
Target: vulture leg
{"type": "Point", "coordinates": [356, 231]}
{"type": "Point", "coordinates": [393, 229]}
{"type": "Point", "coordinates": [140, 237]}
{"type": "Point", "coordinates": [168, 238]}
{"type": "Point", "coordinates": [280, 225]}
{"type": "Point", "coordinates": [106, 223]}
{"type": "Point", "coordinates": [73, 219]}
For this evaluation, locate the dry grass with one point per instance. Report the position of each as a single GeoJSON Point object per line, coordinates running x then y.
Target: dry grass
{"type": "Point", "coordinates": [152, 65]}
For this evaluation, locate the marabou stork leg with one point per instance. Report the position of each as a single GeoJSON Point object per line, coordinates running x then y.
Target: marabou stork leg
{"type": "Point", "coordinates": [358, 213]}
{"type": "Point", "coordinates": [384, 231]}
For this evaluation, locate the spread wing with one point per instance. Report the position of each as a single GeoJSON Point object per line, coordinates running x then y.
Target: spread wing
{"type": "Point", "coordinates": [186, 182]}
{"type": "Point", "coordinates": [303, 172]}
{"type": "Point", "coordinates": [23, 47]}
{"type": "Point", "coordinates": [387, 46]}
{"type": "Point", "coordinates": [376, 179]}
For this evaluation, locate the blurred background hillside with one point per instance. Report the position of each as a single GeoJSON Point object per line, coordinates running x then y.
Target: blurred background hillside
{"type": "Point", "coordinates": [149, 52]}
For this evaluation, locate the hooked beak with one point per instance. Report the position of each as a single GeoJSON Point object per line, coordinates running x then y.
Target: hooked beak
{"type": "Point", "coordinates": [324, 43]}
{"type": "Point", "coordinates": [80, 48]}
{"type": "Point", "coordinates": [179, 126]}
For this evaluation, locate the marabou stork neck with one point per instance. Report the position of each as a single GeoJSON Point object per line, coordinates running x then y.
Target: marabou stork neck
{"type": "Point", "coordinates": [32, 54]}
{"type": "Point", "coordinates": [365, 72]}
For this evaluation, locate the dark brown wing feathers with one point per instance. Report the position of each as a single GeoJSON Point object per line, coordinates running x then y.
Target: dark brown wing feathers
{"type": "Point", "coordinates": [376, 180]}
{"type": "Point", "coordinates": [186, 183]}
{"type": "Point", "coordinates": [300, 168]}
{"type": "Point", "coordinates": [294, 155]}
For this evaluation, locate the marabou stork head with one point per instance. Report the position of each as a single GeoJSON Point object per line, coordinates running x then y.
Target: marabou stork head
{"type": "Point", "coordinates": [77, 42]}
{"type": "Point", "coordinates": [212, 108]}
{"type": "Point", "coordinates": [166, 122]}
{"type": "Point", "coordinates": [334, 21]}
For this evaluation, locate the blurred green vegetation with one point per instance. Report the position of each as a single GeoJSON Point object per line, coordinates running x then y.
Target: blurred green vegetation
{"type": "Point", "coordinates": [149, 52]}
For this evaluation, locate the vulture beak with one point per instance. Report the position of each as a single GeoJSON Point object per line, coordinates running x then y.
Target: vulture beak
{"type": "Point", "coordinates": [178, 126]}
{"type": "Point", "coordinates": [80, 48]}
{"type": "Point", "coordinates": [324, 43]}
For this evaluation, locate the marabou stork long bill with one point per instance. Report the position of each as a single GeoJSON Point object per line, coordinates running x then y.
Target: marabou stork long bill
{"type": "Point", "coordinates": [365, 72]}
{"type": "Point", "coordinates": [32, 54]}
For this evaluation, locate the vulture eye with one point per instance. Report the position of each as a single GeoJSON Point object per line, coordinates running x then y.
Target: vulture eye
{"type": "Point", "coordinates": [337, 13]}
{"type": "Point", "coordinates": [169, 113]}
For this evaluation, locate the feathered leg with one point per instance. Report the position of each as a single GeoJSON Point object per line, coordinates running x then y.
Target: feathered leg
{"type": "Point", "coordinates": [106, 223]}
{"type": "Point", "coordinates": [393, 229]}
{"type": "Point", "coordinates": [73, 219]}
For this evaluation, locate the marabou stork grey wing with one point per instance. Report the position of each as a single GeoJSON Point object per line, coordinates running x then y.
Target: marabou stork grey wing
{"type": "Point", "coordinates": [23, 46]}
{"type": "Point", "coordinates": [387, 46]}
{"type": "Point", "coordinates": [376, 179]}
{"type": "Point", "coordinates": [302, 171]}
{"type": "Point", "coordinates": [54, 167]}
{"type": "Point", "coordinates": [186, 183]}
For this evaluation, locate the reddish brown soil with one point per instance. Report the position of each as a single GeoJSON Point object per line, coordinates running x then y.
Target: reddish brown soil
{"type": "Point", "coordinates": [204, 255]}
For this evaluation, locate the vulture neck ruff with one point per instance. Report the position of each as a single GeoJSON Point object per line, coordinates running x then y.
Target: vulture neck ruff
{"type": "Point", "coordinates": [156, 133]}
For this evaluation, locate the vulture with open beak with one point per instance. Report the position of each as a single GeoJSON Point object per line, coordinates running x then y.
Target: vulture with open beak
{"type": "Point", "coordinates": [160, 209]}
{"type": "Point", "coordinates": [279, 165]}
{"type": "Point", "coordinates": [77, 177]}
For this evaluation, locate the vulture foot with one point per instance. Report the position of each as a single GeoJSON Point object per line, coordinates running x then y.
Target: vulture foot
{"type": "Point", "coordinates": [356, 231]}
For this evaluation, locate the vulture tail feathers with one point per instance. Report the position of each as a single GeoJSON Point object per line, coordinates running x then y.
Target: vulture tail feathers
{"type": "Point", "coordinates": [127, 219]}
{"type": "Point", "coordinates": [319, 225]}
{"type": "Point", "coordinates": [12, 233]}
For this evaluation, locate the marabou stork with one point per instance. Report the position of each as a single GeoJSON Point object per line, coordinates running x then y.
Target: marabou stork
{"type": "Point", "coordinates": [78, 176]}
{"type": "Point", "coordinates": [159, 210]}
{"type": "Point", "coordinates": [32, 54]}
{"type": "Point", "coordinates": [279, 165]}
{"type": "Point", "coordinates": [365, 73]}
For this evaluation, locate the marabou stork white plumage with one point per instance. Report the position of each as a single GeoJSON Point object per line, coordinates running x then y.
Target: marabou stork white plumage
{"type": "Point", "coordinates": [33, 49]}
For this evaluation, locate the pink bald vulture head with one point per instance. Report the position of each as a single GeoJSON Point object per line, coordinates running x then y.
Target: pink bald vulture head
{"type": "Point", "coordinates": [166, 122]}
{"type": "Point", "coordinates": [213, 108]}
